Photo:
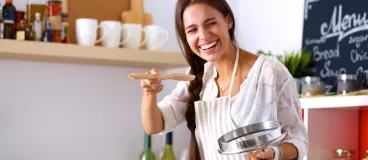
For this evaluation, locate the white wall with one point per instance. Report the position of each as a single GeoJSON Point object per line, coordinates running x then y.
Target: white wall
{"type": "Point", "coordinates": [65, 111]}
{"type": "Point", "coordinates": [69, 112]}
{"type": "Point", "coordinates": [270, 25]}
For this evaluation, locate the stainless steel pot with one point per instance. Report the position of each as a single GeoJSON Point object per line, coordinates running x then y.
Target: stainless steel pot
{"type": "Point", "coordinates": [252, 137]}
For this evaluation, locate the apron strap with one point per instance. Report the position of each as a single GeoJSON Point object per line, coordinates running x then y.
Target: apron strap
{"type": "Point", "coordinates": [231, 85]}
{"type": "Point", "coordinates": [234, 72]}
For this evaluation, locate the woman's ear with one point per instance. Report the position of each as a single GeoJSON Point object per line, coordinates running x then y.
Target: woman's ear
{"type": "Point", "coordinates": [229, 22]}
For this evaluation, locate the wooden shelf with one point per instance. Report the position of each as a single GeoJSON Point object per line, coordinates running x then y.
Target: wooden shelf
{"type": "Point", "coordinates": [72, 53]}
{"type": "Point", "coordinates": [334, 102]}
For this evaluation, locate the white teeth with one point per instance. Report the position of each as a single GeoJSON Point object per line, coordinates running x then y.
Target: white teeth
{"type": "Point", "coordinates": [207, 46]}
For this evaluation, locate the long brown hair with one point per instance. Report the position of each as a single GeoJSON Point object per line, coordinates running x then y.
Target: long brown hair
{"type": "Point", "coordinates": [196, 63]}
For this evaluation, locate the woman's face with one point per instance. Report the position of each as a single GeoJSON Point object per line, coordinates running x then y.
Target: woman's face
{"type": "Point", "coordinates": [207, 31]}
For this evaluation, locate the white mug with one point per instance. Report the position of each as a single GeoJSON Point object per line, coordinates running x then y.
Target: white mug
{"type": "Point", "coordinates": [157, 37]}
{"type": "Point", "coordinates": [134, 31]}
{"type": "Point", "coordinates": [113, 34]}
{"type": "Point", "coordinates": [86, 29]}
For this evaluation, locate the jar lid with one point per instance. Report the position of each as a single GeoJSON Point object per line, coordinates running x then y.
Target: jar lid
{"type": "Point", "coordinates": [310, 79]}
{"type": "Point", "coordinates": [345, 77]}
{"type": "Point", "coordinates": [343, 151]}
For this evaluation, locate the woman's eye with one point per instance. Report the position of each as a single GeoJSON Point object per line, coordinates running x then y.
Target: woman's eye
{"type": "Point", "coordinates": [192, 30]}
{"type": "Point", "coordinates": [212, 23]}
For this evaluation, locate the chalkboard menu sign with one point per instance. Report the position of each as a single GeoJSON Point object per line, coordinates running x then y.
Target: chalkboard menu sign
{"type": "Point", "coordinates": [336, 31]}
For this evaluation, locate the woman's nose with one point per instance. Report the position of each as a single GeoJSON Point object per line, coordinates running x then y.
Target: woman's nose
{"type": "Point", "coordinates": [203, 34]}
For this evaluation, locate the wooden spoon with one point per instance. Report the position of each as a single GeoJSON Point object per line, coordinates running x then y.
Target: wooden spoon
{"type": "Point", "coordinates": [173, 76]}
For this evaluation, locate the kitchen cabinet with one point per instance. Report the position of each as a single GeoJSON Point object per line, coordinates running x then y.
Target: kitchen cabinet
{"type": "Point", "coordinates": [335, 122]}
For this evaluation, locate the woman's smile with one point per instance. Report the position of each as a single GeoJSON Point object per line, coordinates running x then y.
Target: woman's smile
{"type": "Point", "coordinates": [208, 47]}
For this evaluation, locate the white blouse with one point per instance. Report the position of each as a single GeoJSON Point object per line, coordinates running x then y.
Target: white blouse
{"type": "Point", "coordinates": [268, 93]}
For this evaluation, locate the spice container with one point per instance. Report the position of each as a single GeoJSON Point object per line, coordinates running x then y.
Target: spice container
{"type": "Point", "coordinates": [347, 83]}
{"type": "Point", "coordinates": [343, 154]}
{"type": "Point", "coordinates": [312, 86]}
{"type": "Point", "coordinates": [20, 25]}
{"type": "Point", "coordinates": [54, 17]}
{"type": "Point", "coordinates": [23, 30]}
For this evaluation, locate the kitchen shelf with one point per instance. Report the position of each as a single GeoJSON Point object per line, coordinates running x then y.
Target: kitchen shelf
{"type": "Point", "coordinates": [334, 102]}
{"type": "Point", "coordinates": [73, 53]}
{"type": "Point", "coordinates": [321, 117]}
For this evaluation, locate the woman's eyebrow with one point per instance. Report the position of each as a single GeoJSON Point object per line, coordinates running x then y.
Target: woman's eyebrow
{"type": "Point", "coordinates": [208, 19]}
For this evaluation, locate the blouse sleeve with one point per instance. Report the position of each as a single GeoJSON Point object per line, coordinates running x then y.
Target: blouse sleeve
{"type": "Point", "coordinates": [173, 106]}
{"type": "Point", "coordinates": [289, 114]}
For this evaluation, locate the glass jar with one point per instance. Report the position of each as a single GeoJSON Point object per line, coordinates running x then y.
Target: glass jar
{"type": "Point", "coordinates": [365, 155]}
{"type": "Point", "coordinates": [23, 30]}
{"type": "Point", "coordinates": [347, 83]}
{"type": "Point", "coordinates": [343, 154]}
{"type": "Point", "coordinates": [312, 86]}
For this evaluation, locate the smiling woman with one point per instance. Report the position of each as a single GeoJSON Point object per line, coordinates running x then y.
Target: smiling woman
{"type": "Point", "coordinates": [232, 88]}
{"type": "Point", "coordinates": [207, 33]}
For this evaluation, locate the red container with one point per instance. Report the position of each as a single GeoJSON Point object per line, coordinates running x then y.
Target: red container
{"type": "Point", "coordinates": [54, 10]}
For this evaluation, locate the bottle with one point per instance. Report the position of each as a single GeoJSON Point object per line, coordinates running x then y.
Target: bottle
{"type": "Point", "coordinates": [65, 21]}
{"type": "Point", "coordinates": [29, 33]}
{"type": "Point", "coordinates": [20, 26]}
{"type": "Point", "coordinates": [9, 16]}
{"type": "Point", "coordinates": [48, 35]}
{"type": "Point", "coordinates": [1, 22]}
{"type": "Point", "coordinates": [64, 28]}
{"type": "Point", "coordinates": [168, 152]}
{"type": "Point", "coordinates": [54, 10]}
{"type": "Point", "coordinates": [37, 27]}
{"type": "Point", "coordinates": [21, 30]}
{"type": "Point", "coordinates": [147, 153]}
{"type": "Point", "coordinates": [33, 7]}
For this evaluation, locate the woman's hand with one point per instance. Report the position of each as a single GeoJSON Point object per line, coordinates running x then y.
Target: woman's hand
{"type": "Point", "coordinates": [152, 85]}
{"type": "Point", "coordinates": [267, 154]}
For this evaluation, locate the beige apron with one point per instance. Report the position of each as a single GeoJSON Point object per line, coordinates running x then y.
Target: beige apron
{"type": "Point", "coordinates": [213, 120]}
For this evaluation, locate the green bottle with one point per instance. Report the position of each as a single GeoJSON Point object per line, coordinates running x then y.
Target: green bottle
{"type": "Point", "coordinates": [168, 153]}
{"type": "Point", "coordinates": [147, 154]}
